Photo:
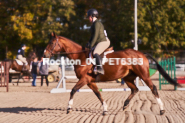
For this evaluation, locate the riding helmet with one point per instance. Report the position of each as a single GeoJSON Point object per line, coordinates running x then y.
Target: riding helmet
{"type": "Point", "coordinates": [92, 13]}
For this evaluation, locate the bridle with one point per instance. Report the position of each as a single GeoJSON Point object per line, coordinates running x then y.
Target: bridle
{"type": "Point", "coordinates": [56, 43]}
{"type": "Point", "coordinates": [51, 51]}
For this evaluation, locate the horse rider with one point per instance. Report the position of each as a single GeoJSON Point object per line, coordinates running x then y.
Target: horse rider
{"type": "Point", "coordinates": [20, 56]}
{"type": "Point", "coordinates": [99, 40]}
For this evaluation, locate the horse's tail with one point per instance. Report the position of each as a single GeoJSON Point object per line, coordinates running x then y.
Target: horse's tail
{"type": "Point", "coordinates": [163, 72]}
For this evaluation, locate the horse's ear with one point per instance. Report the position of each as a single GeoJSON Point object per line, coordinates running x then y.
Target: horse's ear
{"type": "Point", "coordinates": [53, 34]}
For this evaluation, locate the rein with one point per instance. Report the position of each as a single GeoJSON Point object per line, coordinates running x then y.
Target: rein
{"type": "Point", "coordinates": [75, 52]}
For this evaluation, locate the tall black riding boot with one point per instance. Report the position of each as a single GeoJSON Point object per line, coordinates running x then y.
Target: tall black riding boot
{"type": "Point", "coordinates": [98, 63]}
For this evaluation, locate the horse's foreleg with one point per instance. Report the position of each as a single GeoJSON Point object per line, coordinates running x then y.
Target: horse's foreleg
{"type": "Point", "coordinates": [78, 85]}
{"type": "Point", "coordinates": [134, 90]}
{"type": "Point", "coordinates": [94, 87]}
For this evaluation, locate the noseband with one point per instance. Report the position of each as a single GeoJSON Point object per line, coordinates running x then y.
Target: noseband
{"type": "Point", "coordinates": [51, 51]}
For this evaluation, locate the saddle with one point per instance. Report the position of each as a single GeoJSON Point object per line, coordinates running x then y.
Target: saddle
{"type": "Point", "coordinates": [19, 62]}
{"type": "Point", "coordinates": [103, 55]}
{"type": "Point", "coordinates": [107, 51]}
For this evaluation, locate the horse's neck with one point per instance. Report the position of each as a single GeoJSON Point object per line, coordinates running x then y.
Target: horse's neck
{"type": "Point", "coordinates": [71, 48]}
{"type": "Point", "coordinates": [28, 60]}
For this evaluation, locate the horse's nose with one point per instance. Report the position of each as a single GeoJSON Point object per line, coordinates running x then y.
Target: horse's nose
{"type": "Point", "coordinates": [46, 55]}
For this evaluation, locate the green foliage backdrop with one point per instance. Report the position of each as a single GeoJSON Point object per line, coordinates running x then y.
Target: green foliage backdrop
{"type": "Point", "coordinates": [161, 24]}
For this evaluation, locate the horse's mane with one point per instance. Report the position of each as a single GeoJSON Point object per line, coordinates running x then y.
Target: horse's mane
{"type": "Point", "coordinates": [31, 55]}
{"type": "Point", "coordinates": [76, 44]}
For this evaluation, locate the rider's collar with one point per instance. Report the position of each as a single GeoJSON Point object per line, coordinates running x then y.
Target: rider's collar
{"type": "Point", "coordinates": [95, 20]}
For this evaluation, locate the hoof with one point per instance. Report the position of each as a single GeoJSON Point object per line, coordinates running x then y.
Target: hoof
{"type": "Point", "coordinates": [69, 110]}
{"type": "Point", "coordinates": [162, 112]}
{"type": "Point", "coordinates": [125, 107]}
{"type": "Point", "coordinates": [105, 113]}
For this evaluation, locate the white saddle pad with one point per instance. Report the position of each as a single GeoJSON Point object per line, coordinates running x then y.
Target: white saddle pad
{"type": "Point", "coordinates": [104, 56]}
{"type": "Point", "coordinates": [19, 62]}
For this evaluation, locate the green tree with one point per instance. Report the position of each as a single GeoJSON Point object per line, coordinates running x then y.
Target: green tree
{"type": "Point", "coordinates": [31, 21]}
{"type": "Point", "coordinates": [162, 24]}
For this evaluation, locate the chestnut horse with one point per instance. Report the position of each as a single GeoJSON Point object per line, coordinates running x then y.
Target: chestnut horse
{"type": "Point", "coordinates": [15, 66]}
{"type": "Point", "coordinates": [112, 72]}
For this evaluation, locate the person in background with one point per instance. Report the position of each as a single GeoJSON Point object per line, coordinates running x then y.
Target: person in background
{"type": "Point", "coordinates": [44, 72]}
{"type": "Point", "coordinates": [34, 70]}
{"type": "Point", "coordinates": [20, 56]}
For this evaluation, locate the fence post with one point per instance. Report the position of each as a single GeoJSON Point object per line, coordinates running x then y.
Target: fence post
{"type": "Point", "coordinates": [1, 64]}
{"type": "Point", "coordinates": [4, 74]}
{"type": "Point", "coordinates": [7, 75]}
{"type": "Point", "coordinates": [160, 77]}
{"type": "Point", "coordinates": [165, 63]}
{"type": "Point", "coordinates": [174, 61]}
{"type": "Point", "coordinates": [171, 60]}
{"type": "Point", "coordinates": [168, 65]}
{"type": "Point", "coordinates": [162, 82]}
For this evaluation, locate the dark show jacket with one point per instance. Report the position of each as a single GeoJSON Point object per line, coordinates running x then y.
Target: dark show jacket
{"type": "Point", "coordinates": [20, 52]}
{"type": "Point", "coordinates": [97, 33]}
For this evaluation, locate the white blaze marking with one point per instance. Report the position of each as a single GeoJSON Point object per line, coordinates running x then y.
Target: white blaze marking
{"type": "Point", "coordinates": [70, 103]}
{"type": "Point", "coordinates": [160, 103]}
{"type": "Point", "coordinates": [44, 51]}
{"type": "Point", "coordinates": [104, 106]}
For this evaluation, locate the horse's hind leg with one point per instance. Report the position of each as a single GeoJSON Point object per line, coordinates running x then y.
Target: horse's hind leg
{"type": "Point", "coordinates": [94, 87]}
{"type": "Point", "coordinates": [154, 91]}
{"type": "Point", "coordinates": [134, 90]}
{"type": "Point", "coordinates": [78, 85]}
